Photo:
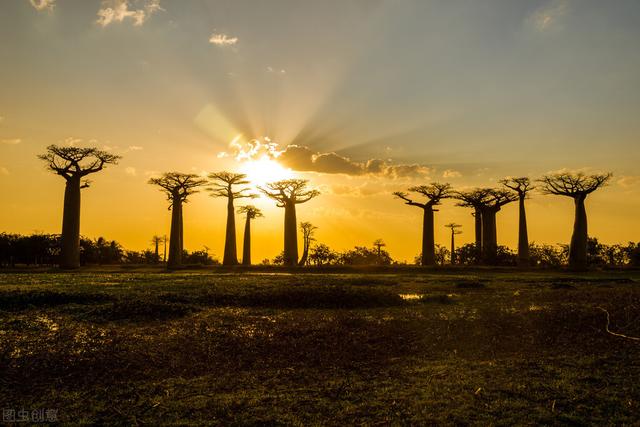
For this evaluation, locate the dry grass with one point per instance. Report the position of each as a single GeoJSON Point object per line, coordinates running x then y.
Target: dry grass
{"type": "Point", "coordinates": [207, 348]}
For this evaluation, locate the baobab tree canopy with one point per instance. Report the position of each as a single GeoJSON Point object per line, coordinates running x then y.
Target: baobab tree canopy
{"type": "Point", "coordinates": [573, 184]}
{"type": "Point", "coordinates": [178, 186]}
{"type": "Point", "coordinates": [434, 193]}
{"type": "Point", "coordinates": [287, 194]}
{"type": "Point", "coordinates": [250, 211]}
{"type": "Point", "coordinates": [77, 162]}
{"type": "Point", "coordinates": [289, 191]}
{"type": "Point", "coordinates": [73, 164]}
{"type": "Point", "coordinates": [577, 186]}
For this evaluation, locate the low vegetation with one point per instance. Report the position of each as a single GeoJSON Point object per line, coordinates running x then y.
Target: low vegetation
{"type": "Point", "coordinates": [207, 348]}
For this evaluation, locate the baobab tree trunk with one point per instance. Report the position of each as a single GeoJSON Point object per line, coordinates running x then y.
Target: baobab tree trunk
{"type": "Point", "coordinates": [70, 237]}
{"type": "Point", "coordinates": [478, 224]}
{"type": "Point", "coordinates": [428, 241]}
{"type": "Point", "coordinates": [489, 236]}
{"type": "Point", "coordinates": [175, 239]}
{"type": "Point", "coordinates": [246, 245]}
{"type": "Point", "coordinates": [579, 239]}
{"type": "Point", "coordinates": [523, 238]}
{"type": "Point", "coordinates": [290, 235]}
{"type": "Point", "coordinates": [230, 250]}
{"type": "Point", "coordinates": [157, 252]}
{"type": "Point", "coordinates": [453, 248]}
{"type": "Point", "coordinates": [305, 253]}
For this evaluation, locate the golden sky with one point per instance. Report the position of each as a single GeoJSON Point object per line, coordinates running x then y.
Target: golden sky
{"type": "Point", "coordinates": [362, 98]}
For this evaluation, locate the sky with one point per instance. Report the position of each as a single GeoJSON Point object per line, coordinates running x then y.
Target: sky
{"type": "Point", "coordinates": [360, 97]}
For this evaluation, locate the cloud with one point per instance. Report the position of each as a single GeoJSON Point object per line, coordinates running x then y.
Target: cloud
{"type": "Point", "coordinates": [450, 173]}
{"type": "Point", "coordinates": [134, 148]}
{"type": "Point", "coordinates": [628, 181]}
{"type": "Point", "coordinates": [71, 141]}
{"type": "Point", "coordinates": [131, 171]}
{"type": "Point", "coordinates": [4, 171]}
{"type": "Point", "coordinates": [119, 10]}
{"type": "Point", "coordinates": [304, 159]}
{"type": "Point", "coordinates": [40, 5]}
{"type": "Point", "coordinates": [273, 70]}
{"type": "Point", "coordinates": [220, 39]}
{"type": "Point", "coordinates": [12, 141]}
{"type": "Point", "coordinates": [547, 16]}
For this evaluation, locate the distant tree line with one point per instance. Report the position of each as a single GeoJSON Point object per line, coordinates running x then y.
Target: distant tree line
{"type": "Point", "coordinates": [44, 250]}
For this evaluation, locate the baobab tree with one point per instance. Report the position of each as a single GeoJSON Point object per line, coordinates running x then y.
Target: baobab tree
{"type": "Point", "coordinates": [288, 193]}
{"type": "Point", "coordinates": [74, 164]}
{"type": "Point", "coordinates": [379, 244]}
{"type": "Point", "coordinates": [521, 186]}
{"type": "Point", "coordinates": [156, 241]}
{"type": "Point", "coordinates": [454, 230]}
{"type": "Point", "coordinates": [307, 237]}
{"type": "Point", "coordinates": [178, 187]}
{"type": "Point", "coordinates": [434, 193]}
{"type": "Point", "coordinates": [577, 186]}
{"type": "Point", "coordinates": [251, 212]}
{"type": "Point", "coordinates": [222, 186]}
{"type": "Point", "coordinates": [474, 199]}
{"type": "Point", "coordinates": [489, 201]}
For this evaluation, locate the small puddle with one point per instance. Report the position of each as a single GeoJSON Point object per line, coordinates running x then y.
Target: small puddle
{"type": "Point", "coordinates": [410, 297]}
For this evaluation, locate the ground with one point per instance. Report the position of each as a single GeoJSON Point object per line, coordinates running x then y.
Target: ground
{"type": "Point", "coordinates": [205, 347]}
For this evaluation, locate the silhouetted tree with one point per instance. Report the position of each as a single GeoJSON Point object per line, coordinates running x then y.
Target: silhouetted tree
{"type": "Point", "coordinates": [577, 186]}
{"type": "Point", "coordinates": [251, 212]}
{"type": "Point", "coordinates": [156, 241]}
{"type": "Point", "coordinates": [322, 254]}
{"type": "Point", "coordinates": [434, 193]}
{"type": "Point", "coordinates": [454, 230]}
{"type": "Point", "coordinates": [379, 244]}
{"type": "Point", "coordinates": [307, 237]}
{"type": "Point", "coordinates": [361, 255]}
{"type": "Point", "coordinates": [546, 255]}
{"type": "Point", "coordinates": [474, 199]}
{"type": "Point", "coordinates": [521, 186]}
{"type": "Point", "coordinates": [489, 201]}
{"type": "Point", "coordinates": [288, 193]}
{"type": "Point", "coordinates": [74, 164]}
{"type": "Point", "coordinates": [222, 186]}
{"type": "Point", "coordinates": [178, 187]}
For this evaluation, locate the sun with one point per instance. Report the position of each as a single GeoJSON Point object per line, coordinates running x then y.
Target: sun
{"type": "Point", "coordinates": [265, 169]}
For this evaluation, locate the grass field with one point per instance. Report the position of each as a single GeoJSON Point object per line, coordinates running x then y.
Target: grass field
{"type": "Point", "coordinates": [205, 347]}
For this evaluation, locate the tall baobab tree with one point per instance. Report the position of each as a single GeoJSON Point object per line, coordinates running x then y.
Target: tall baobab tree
{"type": "Point", "coordinates": [74, 164]}
{"type": "Point", "coordinates": [178, 187]}
{"type": "Point", "coordinates": [495, 200]}
{"type": "Point", "coordinates": [251, 212]}
{"type": "Point", "coordinates": [454, 230]}
{"type": "Point", "coordinates": [488, 201]}
{"type": "Point", "coordinates": [288, 193]}
{"type": "Point", "coordinates": [521, 186]}
{"type": "Point", "coordinates": [577, 186]}
{"type": "Point", "coordinates": [434, 193]}
{"type": "Point", "coordinates": [222, 186]}
{"type": "Point", "coordinates": [474, 199]}
{"type": "Point", "coordinates": [307, 237]}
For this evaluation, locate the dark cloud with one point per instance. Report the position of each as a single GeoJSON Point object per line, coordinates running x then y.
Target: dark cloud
{"type": "Point", "coordinates": [303, 159]}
